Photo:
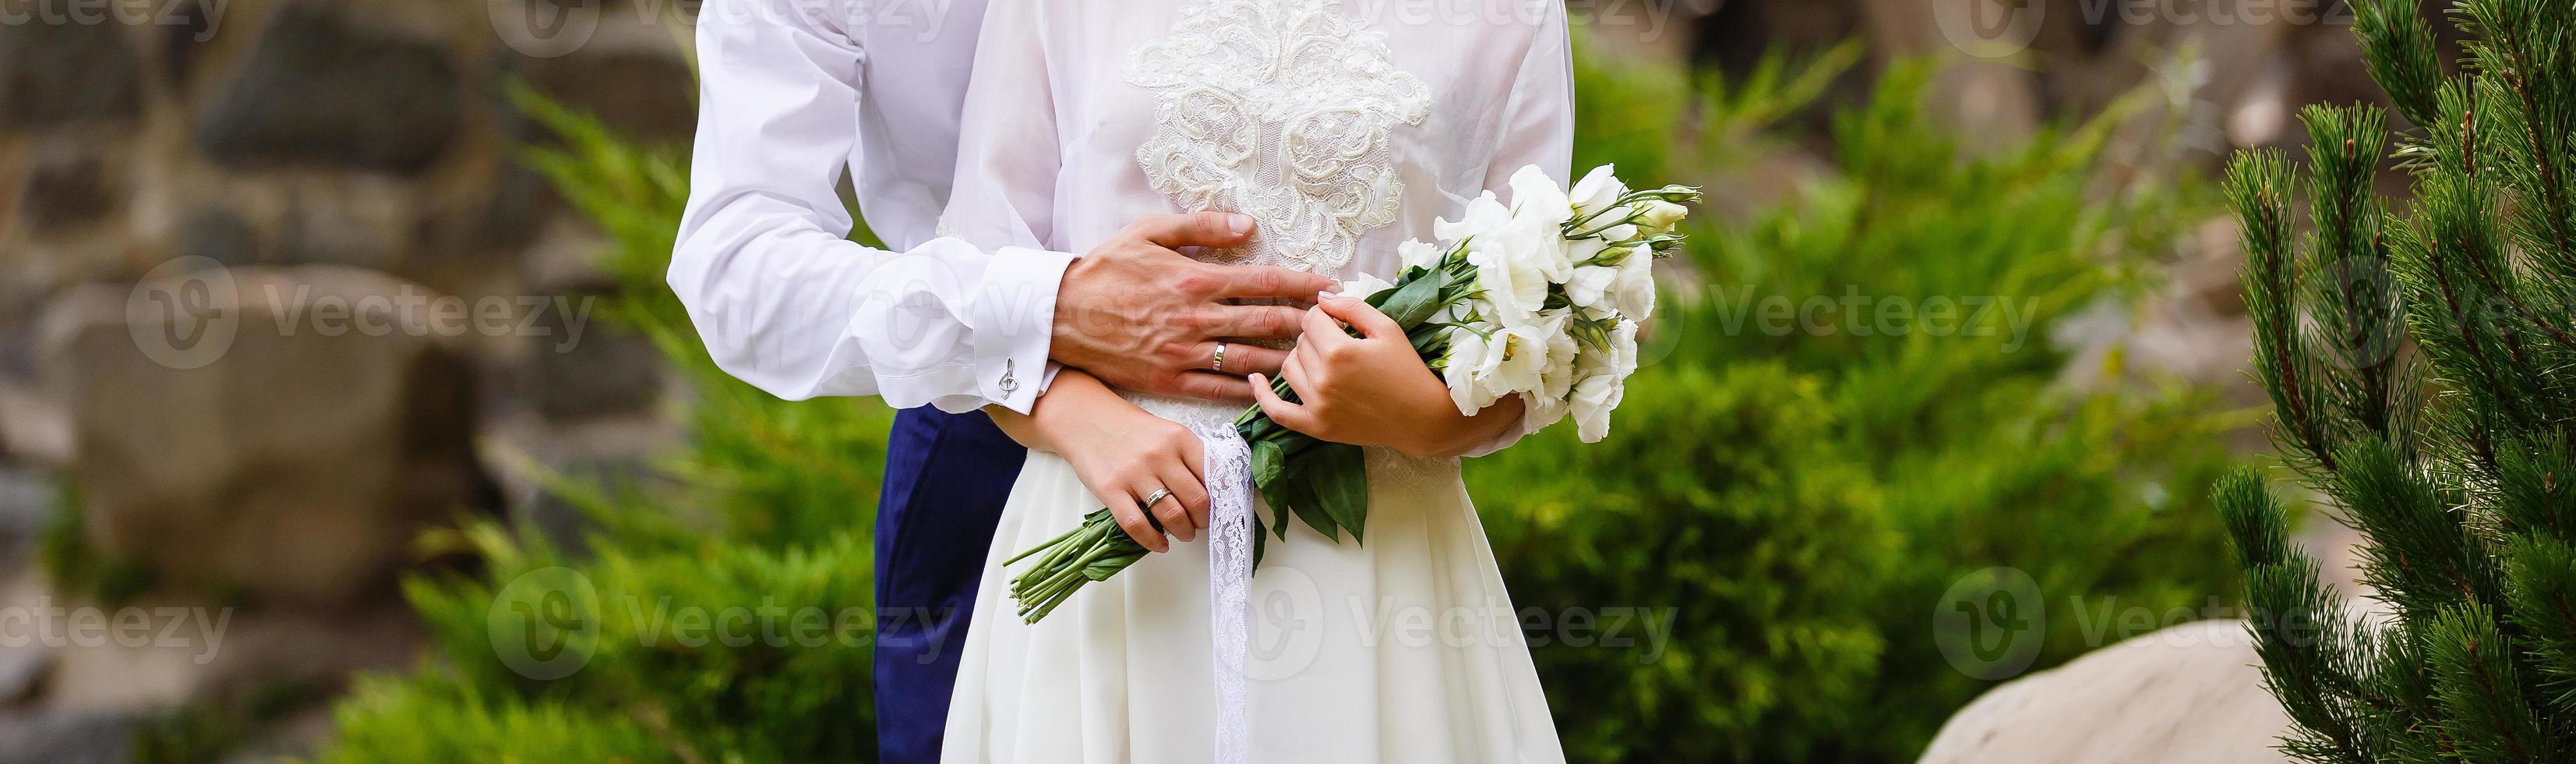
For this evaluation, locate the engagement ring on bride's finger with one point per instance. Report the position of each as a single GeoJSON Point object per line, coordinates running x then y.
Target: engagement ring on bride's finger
{"type": "Point", "coordinates": [1158, 495]}
{"type": "Point", "coordinates": [1218, 363]}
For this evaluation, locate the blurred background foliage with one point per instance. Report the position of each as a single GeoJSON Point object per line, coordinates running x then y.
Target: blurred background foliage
{"type": "Point", "coordinates": [1795, 504]}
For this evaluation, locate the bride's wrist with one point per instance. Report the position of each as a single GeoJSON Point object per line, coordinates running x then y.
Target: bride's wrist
{"type": "Point", "coordinates": [1451, 434]}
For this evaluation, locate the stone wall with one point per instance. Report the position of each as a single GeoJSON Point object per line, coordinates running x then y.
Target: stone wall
{"type": "Point", "coordinates": [290, 132]}
{"type": "Point", "coordinates": [282, 157]}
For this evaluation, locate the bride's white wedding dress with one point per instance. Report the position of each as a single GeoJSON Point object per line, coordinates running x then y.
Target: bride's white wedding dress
{"type": "Point", "coordinates": [1342, 133]}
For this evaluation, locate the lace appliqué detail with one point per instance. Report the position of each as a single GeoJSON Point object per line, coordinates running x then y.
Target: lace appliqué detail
{"type": "Point", "coordinates": [1282, 111]}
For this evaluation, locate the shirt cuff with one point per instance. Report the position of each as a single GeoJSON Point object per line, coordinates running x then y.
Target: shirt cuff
{"type": "Point", "coordinates": [1013, 316]}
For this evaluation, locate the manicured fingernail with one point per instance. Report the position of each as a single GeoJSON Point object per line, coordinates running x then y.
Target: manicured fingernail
{"type": "Point", "coordinates": [1242, 224]}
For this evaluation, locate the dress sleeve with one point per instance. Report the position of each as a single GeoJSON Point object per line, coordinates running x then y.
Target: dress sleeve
{"type": "Point", "coordinates": [1009, 155]}
{"type": "Point", "coordinates": [781, 297]}
{"type": "Point", "coordinates": [1537, 129]}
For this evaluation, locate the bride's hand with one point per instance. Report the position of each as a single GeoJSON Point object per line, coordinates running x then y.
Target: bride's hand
{"type": "Point", "coordinates": [1120, 452]}
{"type": "Point", "coordinates": [1373, 390]}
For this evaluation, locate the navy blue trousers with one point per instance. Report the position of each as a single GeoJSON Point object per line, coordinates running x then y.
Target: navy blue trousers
{"type": "Point", "coordinates": [946, 478]}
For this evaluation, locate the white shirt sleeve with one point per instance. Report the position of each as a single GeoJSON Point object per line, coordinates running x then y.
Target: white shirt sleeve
{"type": "Point", "coordinates": [783, 300]}
{"type": "Point", "coordinates": [1539, 131]}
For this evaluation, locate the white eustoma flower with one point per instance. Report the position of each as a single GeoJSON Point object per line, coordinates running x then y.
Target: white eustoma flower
{"type": "Point", "coordinates": [1620, 234]}
{"type": "Point", "coordinates": [1559, 373]}
{"type": "Point", "coordinates": [1594, 398]}
{"type": "Point", "coordinates": [1657, 216]}
{"type": "Point", "coordinates": [1537, 413]}
{"type": "Point", "coordinates": [1597, 191]}
{"type": "Point", "coordinates": [1484, 213]}
{"type": "Point", "coordinates": [1632, 294]}
{"type": "Point", "coordinates": [1536, 197]}
{"type": "Point", "coordinates": [1419, 254]}
{"type": "Point", "coordinates": [1469, 358]}
{"type": "Point", "coordinates": [1512, 273]}
{"type": "Point", "coordinates": [1367, 284]}
{"type": "Point", "coordinates": [1514, 360]}
{"type": "Point", "coordinates": [1623, 348]}
{"type": "Point", "coordinates": [1590, 285]}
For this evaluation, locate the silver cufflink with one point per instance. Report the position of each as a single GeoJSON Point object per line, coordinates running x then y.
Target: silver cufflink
{"type": "Point", "coordinates": [1009, 384]}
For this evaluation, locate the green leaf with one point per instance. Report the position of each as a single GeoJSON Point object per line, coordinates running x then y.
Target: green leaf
{"type": "Point", "coordinates": [1412, 302]}
{"type": "Point", "coordinates": [1284, 495]}
{"type": "Point", "coordinates": [1260, 542]}
{"type": "Point", "coordinates": [1315, 516]}
{"type": "Point", "coordinates": [1269, 461]}
{"type": "Point", "coordinates": [1338, 474]}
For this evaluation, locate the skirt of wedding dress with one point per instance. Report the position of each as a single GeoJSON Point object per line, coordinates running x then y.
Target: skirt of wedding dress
{"type": "Point", "coordinates": [1402, 649]}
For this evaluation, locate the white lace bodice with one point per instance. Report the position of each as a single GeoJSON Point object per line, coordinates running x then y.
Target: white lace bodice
{"type": "Point", "coordinates": [1341, 129]}
{"type": "Point", "coordinates": [1284, 111]}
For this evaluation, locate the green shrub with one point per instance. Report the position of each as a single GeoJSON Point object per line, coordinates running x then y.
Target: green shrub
{"type": "Point", "coordinates": [431, 720]}
{"type": "Point", "coordinates": [1802, 500]}
{"type": "Point", "coordinates": [725, 619]}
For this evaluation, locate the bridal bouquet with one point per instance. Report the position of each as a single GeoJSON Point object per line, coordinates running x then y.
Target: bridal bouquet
{"type": "Point", "coordinates": [1539, 299]}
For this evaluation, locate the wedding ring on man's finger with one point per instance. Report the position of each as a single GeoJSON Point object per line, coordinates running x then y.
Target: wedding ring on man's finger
{"type": "Point", "coordinates": [1218, 363]}
{"type": "Point", "coordinates": [1151, 499]}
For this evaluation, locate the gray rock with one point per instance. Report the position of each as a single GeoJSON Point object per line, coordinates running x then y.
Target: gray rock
{"type": "Point", "coordinates": [22, 670]}
{"type": "Point", "coordinates": [643, 95]}
{"type": "Point", "coordinates": [65, 738]}
{"type": "Point", "coordinates": [220, 235]}
{"type": "Point", "coordinates": [608, 371]}
{"type": "Point", "coordinates": [292, 461]}
{"type": "Point", "coordinates": [26, 508]}
{"type": "Point", "coordinates": [2188, 693]}
{"type": "Point", "coordinates": [318, 91]}
{"type": "Point", "coordinates": [65, 195]}
{"type": "Point", "coordinates": [66, 74]}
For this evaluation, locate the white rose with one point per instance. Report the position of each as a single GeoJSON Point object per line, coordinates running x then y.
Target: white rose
{"type": "Point", "coordinates": [1597, 191]}
{"type": "Point", "coordinates": [1419, 254]}
{"type": "Point", "coordinates": [1632, 294]}
{"type": "Point", "coordinates": [1537, 198]}
{"type": "Point", "coordinates": [1594, 399]}
{"type": "Point", "coordinates": [1483, 214]}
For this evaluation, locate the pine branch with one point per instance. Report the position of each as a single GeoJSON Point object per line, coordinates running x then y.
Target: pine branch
{"type": "Point", "coordinates": [2399, 48]}
{"type": "Point", "coordinates": [2481, 691]}
{"type": "Point", "coordinates": [2258, 184]}
{"type": "Point", "coordinates": [2543, 592]}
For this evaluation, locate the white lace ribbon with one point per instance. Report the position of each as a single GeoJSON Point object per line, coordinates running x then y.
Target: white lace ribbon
{"type": "Point", "coordinates": [1229, 482]}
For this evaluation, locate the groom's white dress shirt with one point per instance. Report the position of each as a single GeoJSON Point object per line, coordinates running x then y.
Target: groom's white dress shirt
{"type": "Point", "coordinates": [793, 93]}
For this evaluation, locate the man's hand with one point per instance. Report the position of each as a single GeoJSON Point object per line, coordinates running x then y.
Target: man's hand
{"type": "Point", "coordinates": [1140, 316]}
